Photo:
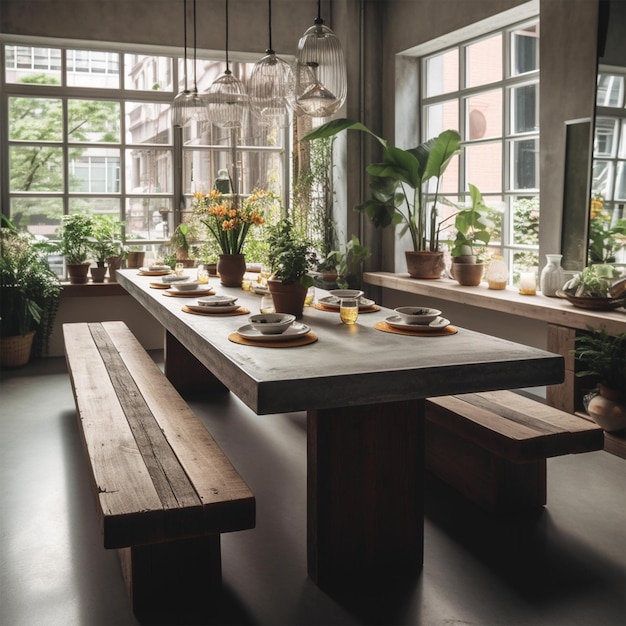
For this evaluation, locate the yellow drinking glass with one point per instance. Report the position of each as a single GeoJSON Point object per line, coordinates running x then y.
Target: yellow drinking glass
{"type": "Point", "coordinates": [349, 310]}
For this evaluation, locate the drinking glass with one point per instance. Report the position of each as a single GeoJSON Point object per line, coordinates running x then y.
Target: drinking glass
{"type": "Point", "coordinates": [310, 296]}
{"type": "Point", "coordinates": [178, 269]}
{"type": "Point", "coordinates": [349, 310]}
{"type": "Point", "coordinates": [267, 304]}
{"type": "Point", "coordinates": [202, 275]}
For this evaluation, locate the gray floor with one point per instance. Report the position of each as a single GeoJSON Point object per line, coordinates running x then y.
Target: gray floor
{"type": "Point", "coordinates": [564, 566]}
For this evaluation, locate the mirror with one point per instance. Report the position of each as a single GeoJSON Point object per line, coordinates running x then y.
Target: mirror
{"type": "Point", "coordinates": [607, 217]}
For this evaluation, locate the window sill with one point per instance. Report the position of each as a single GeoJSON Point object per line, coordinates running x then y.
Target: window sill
{"type": "Point", "coordinates": [91, 290]}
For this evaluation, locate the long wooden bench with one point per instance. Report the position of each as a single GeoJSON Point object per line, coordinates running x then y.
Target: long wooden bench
{"type": "Point", "coordinates": [493, 446]}
{"type": "Point", "coordinates": [165, 490]}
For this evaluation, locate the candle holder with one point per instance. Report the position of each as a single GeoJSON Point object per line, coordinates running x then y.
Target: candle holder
{"type": "Point", "coordinates": [528, 283]}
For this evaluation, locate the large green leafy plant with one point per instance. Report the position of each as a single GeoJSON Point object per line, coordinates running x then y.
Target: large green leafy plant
{"type": "Point", "coordinates": [31, 292]}
{"type": "Point", "coordinates": [75, 235]}
{"type": "Point", "coordinates": [400, 183]}
{"type": "Point", "coordinates": [602, 358]}
{"type": "Point", "coordinates": [290, 255]}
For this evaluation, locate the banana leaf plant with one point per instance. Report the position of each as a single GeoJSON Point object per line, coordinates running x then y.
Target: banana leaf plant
{"type": "Point", "coordinates": [399, 185]}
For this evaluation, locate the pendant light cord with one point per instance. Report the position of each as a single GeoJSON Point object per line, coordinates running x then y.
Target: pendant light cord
{"type": "Point", "coordinates": [319, 19]}
{"type": "Point", "coordinates": [195, 84]}
{"type": "Point", "coordinates": [270, 50]}
{"type": "Point", "coordinates": [185, 40]}
{"type": "Point", "coordinates": [227, 68]}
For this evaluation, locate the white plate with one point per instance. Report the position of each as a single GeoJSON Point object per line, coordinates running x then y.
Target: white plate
{"type": "Point", "coordinates": [293, 332]}
{"type": "Point", "coordinates": [334, 302]}
{"type": "Point", "coordinates": [212, 310]}
{"type": "Point", "coordinates": [217, 300]}
{"type": "Point", "coordinates": [395, 321]}
{"type": "Point", "coordinates": [146, 272]}
{"type": "Point", "coordinates": [202, 289]}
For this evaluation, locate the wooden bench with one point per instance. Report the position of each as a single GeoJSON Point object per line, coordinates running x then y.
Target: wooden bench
{"type": "Point", "coordinates": [165, 490]}
{"type": "Point", "coordinates": [493, 446]}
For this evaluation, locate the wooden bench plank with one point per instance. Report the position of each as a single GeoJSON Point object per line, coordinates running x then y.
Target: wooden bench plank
{"type": "Point", "coordinates": [121, 479]}
{"type": "Point", "coordinates": [493, 446]}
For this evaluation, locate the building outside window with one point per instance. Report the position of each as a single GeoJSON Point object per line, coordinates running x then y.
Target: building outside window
{"type": "Point", "coordinates": [90, 131]}
{"type": "Point", "coordinates": [488, 89]}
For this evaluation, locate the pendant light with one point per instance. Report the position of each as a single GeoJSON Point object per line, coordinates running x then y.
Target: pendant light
{"type": "Point", "coordinates": [188, 105]}
{"type": "Point", "coordinates": [226, 98]}
{"type": "Point", "coordinates": [320, 71]}
{"type": "Point", "coordinates": [271, 85]}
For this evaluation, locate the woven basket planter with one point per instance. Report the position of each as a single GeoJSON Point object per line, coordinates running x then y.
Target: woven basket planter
{"type": "Point", "coordinates": [15, 351]}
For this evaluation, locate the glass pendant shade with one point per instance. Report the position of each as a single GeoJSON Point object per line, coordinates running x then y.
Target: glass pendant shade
{"type": "Point", "coordinates": [320, 72]}
{"type": "Point", "coordinates": [269, 88]}
{"type": "Point", "coordinates": [226, 101]}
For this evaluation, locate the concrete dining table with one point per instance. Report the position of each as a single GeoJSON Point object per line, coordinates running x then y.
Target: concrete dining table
{"type": "Point", "coordinates": [363, 389]}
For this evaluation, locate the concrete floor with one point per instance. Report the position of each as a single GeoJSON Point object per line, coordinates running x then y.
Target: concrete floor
{"type": "Point", "coordinates": [563, 566]}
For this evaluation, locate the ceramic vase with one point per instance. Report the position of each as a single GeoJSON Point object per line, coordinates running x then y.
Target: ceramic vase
{"type": "Point", "coordinates": [607, 410]}
{"type": "Point", "coordinates": [287, 298]}
{"type": "Point", "coordinates": [78, 273]}
{"type": "Point", "coordinates": [424, 263]}
{"type": "Point", "coordinates": [552, 275]}
{"type": "Point", "coordinates": [231, 268]}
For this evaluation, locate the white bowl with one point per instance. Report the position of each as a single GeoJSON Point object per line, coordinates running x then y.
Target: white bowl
{"type": "Point", "coordinates": [217, 301]}
{"type": "Point", "coordinates": [346, 293]}
{"type": "Point", "coordinates": [186, 286]}
{"type": "Point", "coordinates": [271, 323]}
{"type": "Point", "coordinates": [172, 278]}
{"type": "Point", "coordinates": [417, 314]}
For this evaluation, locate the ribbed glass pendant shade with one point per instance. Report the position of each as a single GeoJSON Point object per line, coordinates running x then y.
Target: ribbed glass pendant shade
{"type": "Point", "coordinates": [227, 101]}
{"type": "Point", "coordinates": [269, 87]}
{"type": "Point", "coordinates": [320, 72]}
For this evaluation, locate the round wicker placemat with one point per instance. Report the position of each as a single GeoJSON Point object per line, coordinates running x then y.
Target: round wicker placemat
{"type": "Point", "coordinates": [240, 311]}
{"type": "Point", "coordinates": [330, 309]}
{"type": "Point", "coordinates": [190, 294]}
{"type": "Point", "coordinates": [160, 285]}
{"type": "Point", "coordinates": [448, 330]}
{"type": "Point", "coordinates": [292, 343]}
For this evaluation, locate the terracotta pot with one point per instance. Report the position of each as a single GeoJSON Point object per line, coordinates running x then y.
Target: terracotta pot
{"type": "Point", "coordinates": [287, 298]}
{"type": "Point", "coordinates": [15, 351]}
{"type": "Point", "coordinates": [231, 268]}
{"type": "Point", "coordinates": [114, 263]}
{"type": "Point", "coordinates": [78, 273]}
{"type": "Point", "coordinates": [607, 410]}
{"type": "Point", "coordinates": [424, 263]}
{"type": "Point", "coordinates": [467, 274]}
{"type": "Point", "coordinates": [135, 259]}
{"type": "Point", "coordinates": [98, 273]}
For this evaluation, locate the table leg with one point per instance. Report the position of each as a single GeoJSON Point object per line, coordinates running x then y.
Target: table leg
{"type": "Point", "coordinates": [365, 493]}
{"type": "Point", "coordinates": [184, 370]}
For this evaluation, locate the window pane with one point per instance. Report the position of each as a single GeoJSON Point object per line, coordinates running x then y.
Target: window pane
{"type": "Point", "coordinates": [525, 164]}
{"type": "Point", "coordinates": [96, 206]}
{"type": "Point", "coordinates": [93, 68]}
{"type": "Point", "coordinates": [525, 50]}
{"type": "Point", "coordinates": [622, 142]}
{"type": "Point", "coordinates": [149, 170]}
{"type": "Point", "coordinates": [484, 166]}
{"type": "Point", "coordinates": [94, 170]}
{"type": "Point", "coordinates": [26, 64]}
{"type": "Point", "coordinates": [35, 119]}
{"type": "Point", "coordinates": [40, 216]}
{"type": "Point", "coordinates": [526, 261]}
{"type": "Point", "coordinates": [620, 183]}
{"type": "Point", "coordinates": [149, 218]}
{"type": "Point", "coordinates": [147, 73]}
{"type": "Point", "coordinates": [36, 168]}
{"type": "Point", "coordinates": [525, 211]}
{"type": "Point", "coordinates": [524, 109]}
{"type": "Point", "coordinates": [439, 117]}
{"type": "Point", "coordinates": [484, 115]}
{"type": "Point", "coordinates": [602, 178]}
{"type": "Point", "coordinates": [148, 122]}
{"type": "Point", "coordinates": [484, 61]}
{"type": "Point", "coordinates": [442, 73]}
{"type": "Point", "coordinates": [606, 131]}
{"type": "Point", "coordinates": [93, 121]}
{"type": "Point", "coordinates": [610, 90]}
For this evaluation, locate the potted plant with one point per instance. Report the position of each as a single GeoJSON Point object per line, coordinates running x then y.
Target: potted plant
{"type": "Point", "coordinates": [603, 363]}
{"type": "Point", "coordinates": [228, 220]}
{"type": "Point", "coordinates": [473, 232]}
{"type": "Point", "coordinates": [75, 245]}
{"type": "Point", "coordinates": [105, 243]}
{"type": "Point", "coordinates": [400, 191]}
{"type": "Point", "coordinates": [290, 256]}
{"type": "Point", "coordinates": [181, 242]}
{"type": "Point", "coordinates": [31, 293]}
{"type": "Point", "coordinates": [343, 267]}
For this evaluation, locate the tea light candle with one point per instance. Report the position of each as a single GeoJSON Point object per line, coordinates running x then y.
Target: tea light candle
{"type": "Point", "coordinates": [528, 283]}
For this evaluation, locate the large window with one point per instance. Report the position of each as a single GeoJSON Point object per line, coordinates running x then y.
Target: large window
{"type": "Point", "coordinates": [90, 131]}
{"type": "Point", "coordinates": [488, 89]}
